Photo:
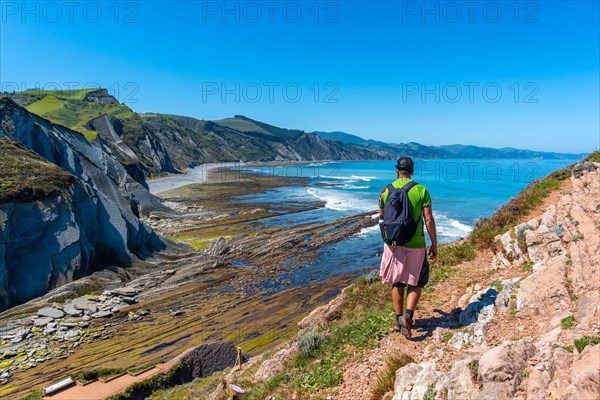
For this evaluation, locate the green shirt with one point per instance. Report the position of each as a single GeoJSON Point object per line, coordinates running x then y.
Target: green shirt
{"type": "Point", "coordinates": [419, 197]}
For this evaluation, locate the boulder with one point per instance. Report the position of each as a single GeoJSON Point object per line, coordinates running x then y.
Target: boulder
{"type": "Point", "coordinates": [461, 383]}
{"type": "Point", "coordinates": [275, 365]}
{"type": "Point", "coordinates": [585, 376]}
{"type": "Point", "coordinates": [85, 304]}
{"type": "Point", "coordinates": [500, 368]}
{"type": "Point", "coordinates": [413, 380]}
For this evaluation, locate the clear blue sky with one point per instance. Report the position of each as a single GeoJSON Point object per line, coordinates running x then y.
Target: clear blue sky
{"type": "Point", "coordinates": [371, 62]}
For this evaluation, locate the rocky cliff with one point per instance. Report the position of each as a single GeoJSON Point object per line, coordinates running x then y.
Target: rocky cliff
{"type": "Point", "coordinates": [67, 208]}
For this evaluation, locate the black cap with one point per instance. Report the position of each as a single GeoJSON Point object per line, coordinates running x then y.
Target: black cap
{"type": "Point", "coordinates": [405, 164]}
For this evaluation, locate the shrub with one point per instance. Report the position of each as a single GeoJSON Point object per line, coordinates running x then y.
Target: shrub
{"type": "Point", "coordinates": [558, 230]}
{"type": "Point", "coordinates": [579, 168]}
{"type": "Point", "coordinates": [387, 375]}
{"type": "Point", "coordinates": [311, 343]}
{"type": "Point", "coordinates": [521, 236]}
{"type": "Point", "coordinates": [580, 344]}
{"type": "Point", "coordinates": [577, 237]}
{"type": "Point", "coordinates": [568, 322]}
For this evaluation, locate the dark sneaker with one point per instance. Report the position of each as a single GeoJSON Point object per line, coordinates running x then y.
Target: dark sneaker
{"type": "Point", "coordinates": [397, 326]}
{"type": "Point", "coordinates": [406, 324]}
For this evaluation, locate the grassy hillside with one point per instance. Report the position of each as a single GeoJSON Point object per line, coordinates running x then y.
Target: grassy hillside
{"type": "Point", "coordinates": [251, 127]}
{"type": "Point", "coordinates": [25, 176]}
{"type": "Point", "coordinates": [68, 108]}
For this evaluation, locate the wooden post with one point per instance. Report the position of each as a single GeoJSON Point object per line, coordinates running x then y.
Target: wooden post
{"type": "Point", "coordinates": [239, 357]}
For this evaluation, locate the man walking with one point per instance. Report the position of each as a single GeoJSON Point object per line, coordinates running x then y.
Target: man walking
{"type": "Point", "coordinates": [406, 265]}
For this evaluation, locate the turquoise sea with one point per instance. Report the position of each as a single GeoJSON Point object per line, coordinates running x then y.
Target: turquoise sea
{"type": "Point", "coordinates": [462, 190]}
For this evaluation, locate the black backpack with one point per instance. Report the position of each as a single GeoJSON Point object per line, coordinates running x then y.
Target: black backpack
{"type": "Point", "coordinates": [398, 225]}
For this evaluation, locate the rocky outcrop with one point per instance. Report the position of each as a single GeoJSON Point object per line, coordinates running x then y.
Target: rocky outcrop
{"type": "Point", "coordinates": [132, 145]}
{"type": "Point", "coordinates": [100, 96]}
{"type": "Point", "coordinates": [205, 360]}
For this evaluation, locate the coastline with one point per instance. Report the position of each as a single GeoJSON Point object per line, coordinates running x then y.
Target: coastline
{"type": "Point", "coordinates": [224, 290]}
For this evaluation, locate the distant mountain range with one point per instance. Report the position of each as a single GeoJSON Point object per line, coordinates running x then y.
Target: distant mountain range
{"type": "Point", "coordinates": [418, 150]}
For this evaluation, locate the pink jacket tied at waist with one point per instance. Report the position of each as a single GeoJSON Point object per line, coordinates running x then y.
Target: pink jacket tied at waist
{"type": "Point", "coordinates": [401, 264]}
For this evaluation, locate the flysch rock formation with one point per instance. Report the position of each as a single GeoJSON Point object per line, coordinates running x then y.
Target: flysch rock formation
{"type": "Point", "coordinates": [51, 241]}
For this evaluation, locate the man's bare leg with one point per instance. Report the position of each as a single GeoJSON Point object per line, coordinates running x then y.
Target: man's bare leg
{"type": "Point", "coordinates": [406, 321]}
{"type": "Point", "coordinates": [412, 297]}
{"type": "Point", "coordinates": [398, 299]}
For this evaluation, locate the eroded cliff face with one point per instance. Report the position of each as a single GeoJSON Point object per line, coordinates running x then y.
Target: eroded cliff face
{"type": "Point", "coordinates": [51, 239]}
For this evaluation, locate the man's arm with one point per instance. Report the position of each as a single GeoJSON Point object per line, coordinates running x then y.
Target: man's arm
{"type": "Point", "coordinates": [430, 224]}
{"type": "Point", "coordinates": [381, 202]}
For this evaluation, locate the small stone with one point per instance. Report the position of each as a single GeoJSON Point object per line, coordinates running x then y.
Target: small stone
{"type": "Point", "coordinates": [72, 311]}
{"type": "Point", "coordinates": [9, 354]}
{"type": "Point", "coordinates": [51, 312]}
{"type": "Point", "coordinates": [118, 308]}
{"type": "Point", "coordinates": [176, 313]}
{"type": "Point", "coordinates": [126, 291]}
{"type": "Point", "coordinates": [85, 304]}
{"type": "Point", "coordinates": [71, 334]}
{"type": "Point", "coordinates": [129, 300]}
{"type": "Point", "coordinates": [86, 318]}
{"type": "Point", "coordinates": [102, 314]}
{"type": "Point", "coordinates": [39, 322]}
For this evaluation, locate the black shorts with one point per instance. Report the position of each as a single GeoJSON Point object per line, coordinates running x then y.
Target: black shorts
{"type": "Point", "coordinates": [423, 276]}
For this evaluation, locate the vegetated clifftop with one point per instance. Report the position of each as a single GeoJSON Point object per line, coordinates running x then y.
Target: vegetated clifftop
{"type": "Point", "coordinates": [158, 143]}
{"type": "Point", "coordinates": [66, 208]}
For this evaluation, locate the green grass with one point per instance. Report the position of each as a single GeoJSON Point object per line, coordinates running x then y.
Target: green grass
{"type": "Point", "coordinates": [45, 105]}
{"type": "Point", "coordinates": [34, 396]}
{"type": "Point", "coordinates": [580, 344]}
{"type": "Point", "coordinates": [77, 94]}
{"type": "Point", "coordinates": [497, 285]}
{"type": "Point", "coordinates": [25, 176]}
{"type": "Point", "coordinates": [68, 108]}
{"type": "Point", "coordinates": [568, 348]}
{"type": "Point", "coordinates": [90, 376]}
{"type": "Point", "coordinates": [568, 322]}
{"type": "Point", "coordinates": [528, 267]}
{"type": "Point", "coordinates": [430, 393]}
{"type": "Point", "coordinates": [449, 256]}
{"type": "Point", "coordinates": [474, 367]}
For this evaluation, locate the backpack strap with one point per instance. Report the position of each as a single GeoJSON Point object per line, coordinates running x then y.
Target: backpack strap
{"type": "Point", "coordinates": [406, 188]}
{"type": "Point", "coordinates": [409, 186]}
